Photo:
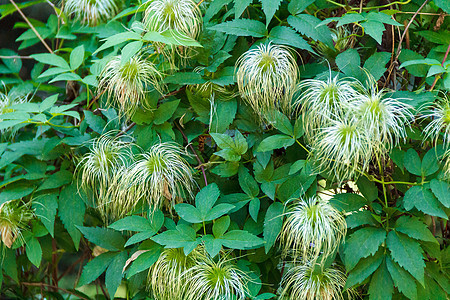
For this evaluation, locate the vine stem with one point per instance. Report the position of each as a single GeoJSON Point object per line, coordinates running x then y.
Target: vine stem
{"type": "Point", "coordinates": [442, 64]}
{"type": "Point", "coordinates": [31, 26]}
{"type": "Point", "coordinates": [200, 163]}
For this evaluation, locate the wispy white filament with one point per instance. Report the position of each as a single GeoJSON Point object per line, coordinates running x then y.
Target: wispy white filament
{"type": "Point", "coordinates": [267, 77]}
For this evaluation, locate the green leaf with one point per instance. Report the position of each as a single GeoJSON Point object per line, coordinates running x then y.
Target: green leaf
{"type": "Point", "coordinates": [129, 51]}
{"type": "Point", "coordinates": [444, 4]}
{"type": "Point", "coordinates": [71, 211]}
{"type": "Point", "coordinates": [248, 183]}
{"type": "Point", "coordinates": [56, 180]}
{"type": "Point", "coordinates": [189, 213]}
{"type": "Point", "coordinates": [348, 202]}
{"type": "Point", "coordinates": [269, 8]}
{"type": "Point", "coordinates": [364, 269]}
{"type": "Point", "coordinates": [253, 208]}
{"type": "Point", "coordinates": [51, 59]}
{"type": "Point", "coordinates": [34, 251]}
{"type": "Point", "coordinates": [375, 29]}
{"type": "Point", "coordinates": [367, 188]}
{"type": "Point", "coordinates": [76, 57]}
{"type": "Point", "coordinates": [275, 142]}
{"type": "Point", "coordinates": [241, 27]}
{"type": "Point", "coordinates": [273, 222]}
{"type": "Point", "coordinates": [362, 243]}
{"type": "Point", "coordinates": [376, 64]}
{"type": "Point", "coordinates": [416, 70]}
{"type": "Point", "coordinates": [113, 275]}
{"type": "Point", "coordinates": [307, 25]}
{"type": "Point", "coordinates": [442, 191]}
{"type": "Point", "coordinates": [220, 226]}
{"type": "Point", "coordinates": [240, 6]}
{"type": "Point", "coordinates": [349, 63]}
{"type": "Point", "coordinates": [407, 253]}
{"type": "Point", "coordinates": [412, 162]}
{"type": "Point", "coordinates": [287, 36]}
{"type": "Point", "coordinates": [48, 103]}
{"type": "Point", "coordinates": [360, 218]}
{"type": "Point", "coordinates": [381, 286]}
{"type": "Point", "coordinates": [414, 228]}
{"type": "Point", "coordinates": [404, 282]}
{"type": "Point", "coordinates": [423, 199]}
{"type": "Point", "coordinates": [165, 111]}
{"type": "Point", "coordinates": [118, 39]}
{"type": "Point", "coordinates": [241, 239]}
{"type": "Point", "coordinates": [206, 198]}
{"type": "Point", "coordinates": [430, 163]}
{"type": "Point", "coordinates": [184, 236]}
{"type": "Point", "coordinates": [95, 122]}
{"type": "Point", "coordinates": [93, 269]}
{"type": "Point", "coordinates": [106, 238]}
{"type": "Point", "coordinates": [297, 6]}
{"type": "Point", "coordinates": [45, 207]}
{"type": "Point", "coordinates": [349, 18]}
{"type": "Point", "coordinates": [145, 260]}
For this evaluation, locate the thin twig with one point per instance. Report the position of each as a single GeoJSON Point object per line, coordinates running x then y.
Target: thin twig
{"type": "Point", "coordinates": [15, 56]}
{"type": "Point", "coordinates": [407, 27]}
{"type": "Point", "coordinates": [42, 285]}
{"type": "Point", "coordinates": [31, 26]}
{"type": "Point", "coordinates": [442, 64]}
{"type": "Point", "coordinates": [200, 164]}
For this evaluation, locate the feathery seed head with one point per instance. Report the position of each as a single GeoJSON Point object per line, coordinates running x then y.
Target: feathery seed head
{"type": "Point", "coordinates": [267, 77]}
{"type": "Point", "coordinates": [342, 40]}
{"type": "Point", "coordinates": [439, 113]}
{"type": "Point", "coordinates": [216, 280]}
{"type": "Point", "coordinates": [311, 281]}
{"type": "Point", "coordinates": [14, 218]}
{"type": "Point", "coordinates": [322, 99]}
{"type": "Point", "coordinates": [312, 227]}
{"type": "Point", "coordinates": [384, 118]}
{"type": "Point", "coordinates": [160, 173]}
{"type": "Point", "coordinates": [343, 148]}
{"type": "Point", "coordinates": [126, 82]}
{"type": "Point", "coordinates": [168, 276]}
{"type": "Point", "coordinates": [105, 158]}
{"type": "Point", "coordinates": [92, 12]}
{"type": "Point", "coordinates": [182, 16]}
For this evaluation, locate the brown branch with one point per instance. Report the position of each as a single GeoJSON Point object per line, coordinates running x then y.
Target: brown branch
{"type": "Point", "coordinates": [407, 27]}
{"type": "Point", "coordinates": [14, 56]}
{"type": "Point", "coordinates": [42, 285]}
{"type": "Point", "coordinates": [31, 26]}
{"type": "Point", "coordinates": [200, 164]}
{"type": "Point", "coordinates": [442, 64]}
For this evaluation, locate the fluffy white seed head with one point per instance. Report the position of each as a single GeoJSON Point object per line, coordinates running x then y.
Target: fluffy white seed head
{"type": "Point", "coordinates": [343, 148]}
{"type": "Point", "coordinates": [106, 157]}
{"type": "Point", "coordinates": [182, 16]}
{"type": "Point", "coordinates": [169, 275]}
{"type": "Point", "coordinates": [439, 113]}
{"type": "Point", "coordinates": [384, 118]}
{"type": "Point", "coordinates": [158, 174]}
{"type": "Point", "coordinates": [14, 218]}
{"type": "Point", "coordinates": [126, 83]}
{"type": "Point", "coordinates": [267, 76]}
{"type": "Point", "coordinates": [218, 279]}
{"type": "Point", "coordinates": [321, 100]}
{"type": "Point", "coordinates": [92, 12]}
{"type": "Point", "coordinates": [312, 227]}
{"type": "Point", "coordinates": [311, 281]}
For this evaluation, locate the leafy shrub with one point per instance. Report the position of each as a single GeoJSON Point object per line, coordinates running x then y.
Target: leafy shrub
{"type": "Point", "coordinates": [226, 149]}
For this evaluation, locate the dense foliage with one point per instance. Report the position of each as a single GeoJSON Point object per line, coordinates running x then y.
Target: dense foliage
{"type": "Point", "coordinates": [226, 149]}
